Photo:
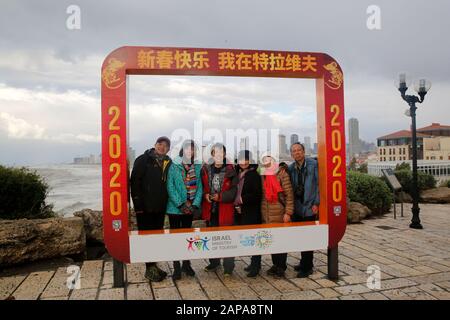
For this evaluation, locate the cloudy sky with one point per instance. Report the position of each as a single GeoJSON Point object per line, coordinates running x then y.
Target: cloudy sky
{"type": "Point", "coordinates": [50, 75]}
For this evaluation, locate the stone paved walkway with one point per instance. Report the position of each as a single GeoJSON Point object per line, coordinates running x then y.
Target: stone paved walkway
{"type": "Point", "coordinates": [415, 264]}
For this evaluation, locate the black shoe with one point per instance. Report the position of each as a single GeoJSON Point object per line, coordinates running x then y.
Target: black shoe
{"type": "Point", "coordinates": [279, 273]}
{"type": "Point", "coordinates": [297, 267]}
{"type": "Point", "coordinates": [176, 271]}
{"type": "Point", "coordinates": [161, 272]}
{"type": "Point", "coordinates": [250, 267]}
{"type": "Point", "coordinates": [211, 267]}
{"type": "Point", "coordinates": [272, 271]}
{"type": "Point", "coordinates": [253, 273]}
{"type": "Point", "coordinates": [227, 274]}
{"type": "Point", "coordinates": [304, 274]}
{"type": "Point", "coordinates": [186, 268]}
{"type": "Point", "coordinates": [152, 274]}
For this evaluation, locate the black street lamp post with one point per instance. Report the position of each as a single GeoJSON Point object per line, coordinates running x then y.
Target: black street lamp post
{"type": "Point", "coordinates": [422, 87]}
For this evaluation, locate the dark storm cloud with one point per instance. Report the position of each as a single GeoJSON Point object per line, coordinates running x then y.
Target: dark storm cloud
{"type": "Point", "coordinates": [412, 35]}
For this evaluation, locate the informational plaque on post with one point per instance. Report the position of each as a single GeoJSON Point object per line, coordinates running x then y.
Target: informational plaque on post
{"type": "Point", "coordinates": [392, 179]}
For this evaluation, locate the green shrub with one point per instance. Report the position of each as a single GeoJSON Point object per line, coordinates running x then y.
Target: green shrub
{"type": "Point", "coordinates": [22, 194]}
{"type": "Point", "coordinates": [424, 180]}
{"type": "Point", "coordinates": [370, 191]}
{"type": "Point", "coordinates": [448, 184]}
{"type": "Point", "coordinates": [363, 168]}
{"type": "Point", "coordinates": [403, 166]}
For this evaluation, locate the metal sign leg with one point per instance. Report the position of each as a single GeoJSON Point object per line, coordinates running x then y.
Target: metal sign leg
{"type": "Point", "coordinates": [333, 264]}
{"type": "Point", "coordinates": [395, 207]}
{"type": "Point", "coordinates": [118, 273]}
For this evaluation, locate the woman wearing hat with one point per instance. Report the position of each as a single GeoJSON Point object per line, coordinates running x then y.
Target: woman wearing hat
{"type": "Point", "coordinates": [248, 200]}
{"type": "Point", "coordinates": [184, 187]}
{"type": "Point", "coordinates": [277, 204]}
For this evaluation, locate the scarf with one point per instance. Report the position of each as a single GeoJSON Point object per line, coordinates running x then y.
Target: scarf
{"type": "Point", "coordinates": [238, 199]}
{"type": "Point", "coordinates": [271, 184]}
{"type": "Point", "coordinates": [190, 181]}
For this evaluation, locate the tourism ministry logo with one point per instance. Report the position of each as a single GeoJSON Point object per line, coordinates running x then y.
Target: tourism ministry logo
{"type": "Point", "coordinates": [262, 239]}
{"type": "Point", "coordinates": [198, 243]}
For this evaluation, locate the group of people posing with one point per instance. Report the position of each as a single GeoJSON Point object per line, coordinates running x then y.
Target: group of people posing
{"type": "Point", "coordinates": [223, 193]}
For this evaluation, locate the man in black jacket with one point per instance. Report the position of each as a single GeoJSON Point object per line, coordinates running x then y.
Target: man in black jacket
{"type": "Point", "coordinates": [149, 194]}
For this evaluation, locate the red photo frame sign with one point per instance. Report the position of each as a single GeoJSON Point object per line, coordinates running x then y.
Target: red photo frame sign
{"type": "Point", "coordinates": [127, 60]}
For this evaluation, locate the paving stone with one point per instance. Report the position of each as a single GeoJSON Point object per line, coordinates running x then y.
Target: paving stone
{"type": "Point", "coordinates": [107, 278]}
{"type": "Point", "coordinates": [301, 295]}
{"type": "Point", "coordinates": [328, 293]}
{"type": "Point", "coordinates": [168, 293]}
{"type": "Point", "coordinates": [32, 287]}
{"type": "Point", "coordinates": [139, 291]}
{"type": "Point", "coordinates": [355, 279]}
{"type": "Point", "coordinates": [444, 285]}
{"type": "Point", "coordinates": [326, 283]}
{"type": "Point", "coordinates": [396, 294]}
{"type": "Point", "coordinates": [84, 294]}
{"type": "Point", "coordinates": [352, 289]}
{"type": "Point", "coordinates": [111, 294]}
{"type": "Point", "coordinates": [396, 283]}
{"type": "Point", "coordinates": [136, 273]}
{"type": "Point", "coordinates": [432, 278]}
{"type": "Point", "coordinates": [435, 291]}
{"type": "Point", "coordinates": [374, 296]}
{"type": "Point", "coordinates": [90, 282]}
{"type": "Point", "coordinates": [9, 284]}
{"type": "Point", "coordinates": [108, 266]}
{"type": "Point", "coordinates": [305, 283]}
{"type": "Point", "coordinates": [351, 297]}
{"type": "Point", "coordinates": [426, 269]}
{"type": "Point", "coordinates": [55, 298]}
{"type": "Point", "coordinates": [57, 287]}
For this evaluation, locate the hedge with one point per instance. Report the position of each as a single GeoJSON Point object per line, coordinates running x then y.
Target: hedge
{"type": "Point", "coordinates": [425, 181]}
{"type": "Point", "coordinates": [370, 191]}
{"type": "Point", "coordinates": [22, 194]}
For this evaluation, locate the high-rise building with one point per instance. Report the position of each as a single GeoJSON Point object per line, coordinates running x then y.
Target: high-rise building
{"type": "Point", "coordinates": [282, 145]}
{"type": "Point", "coordinates": [294, 138]}
{"type": "Point", "coordinates": [307, 145]}
{"type": "Point", "coordinates": [315, 149]}
{"type": "Point", "coordinates": [244, 144]}
{"type": "Point", "coordinates": [131, 155]}
{"type": "Point", "coordinates": [353, 137]}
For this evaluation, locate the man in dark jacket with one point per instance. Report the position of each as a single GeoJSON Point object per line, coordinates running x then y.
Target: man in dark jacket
{"type": "Point", "coordinates": [149, 194]}
{"type": "Point", "coordinates": [305, 182]}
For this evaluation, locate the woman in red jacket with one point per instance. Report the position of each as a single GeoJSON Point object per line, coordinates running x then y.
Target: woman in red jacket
{"type": "Point", "coordinates": [219, 191]}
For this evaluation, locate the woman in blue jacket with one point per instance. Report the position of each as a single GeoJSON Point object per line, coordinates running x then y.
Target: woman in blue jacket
{"type": "Point", "coordinates": [184, 186]}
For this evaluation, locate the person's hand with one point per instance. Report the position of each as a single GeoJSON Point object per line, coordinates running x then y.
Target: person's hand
{"type": "Point", "coordinates": [315, 209]}
{"type": "Point", "coordinates": [286, 218]}
{"type": "Point", "coordinates": [184, 209]}
{"type": "Point", "coordinates": [188, 203]}
{"type": "Point", "coordinates": [215, 197]}
{"type": "Point", "coordinates": [192, 209]}
{"type": "Point", "coordinates": [208, 197]}
{"type": "Point", "coordinates": [238, 210]}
